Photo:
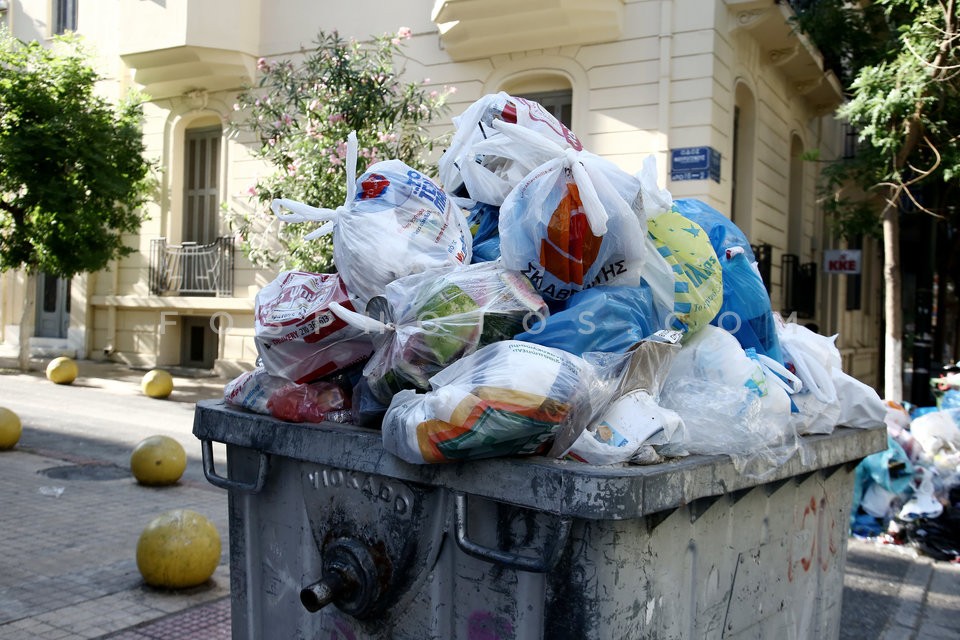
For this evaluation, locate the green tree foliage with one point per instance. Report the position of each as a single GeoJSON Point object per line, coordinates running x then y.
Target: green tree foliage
{"type": "Point", "coordinates": [901, 70]}
{"type": "Point", "coordinates": [900, 62]}
{"type": "Point", "coordinates": [301, 112]}
{"type": "Point", "coordinates": [72, 171]}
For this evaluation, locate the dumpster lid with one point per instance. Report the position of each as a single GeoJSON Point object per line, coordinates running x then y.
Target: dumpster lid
{"type": "Point", "coordinates": [561, 487]}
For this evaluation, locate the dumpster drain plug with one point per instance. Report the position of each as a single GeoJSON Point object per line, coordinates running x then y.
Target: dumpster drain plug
{"type": "Point", "coordinates": [350, 579]}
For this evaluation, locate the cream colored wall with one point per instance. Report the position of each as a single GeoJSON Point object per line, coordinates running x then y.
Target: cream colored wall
{"type": "Point", "coordinates": [667, 82]}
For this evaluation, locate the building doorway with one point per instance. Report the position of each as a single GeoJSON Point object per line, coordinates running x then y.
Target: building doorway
{"type": "Point", "coordinates": [198, 342]}
{"type": "Point", "coordinates": [53, 306]}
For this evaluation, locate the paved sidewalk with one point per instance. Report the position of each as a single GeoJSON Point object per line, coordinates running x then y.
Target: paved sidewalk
{"type": "Point", "coordinates": [71, 514]}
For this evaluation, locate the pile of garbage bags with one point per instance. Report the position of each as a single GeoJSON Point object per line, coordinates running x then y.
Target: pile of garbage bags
{"type": "Point", "coordinates": [910, 492]}
{"type": "Point", "coordinates": [539, 300]}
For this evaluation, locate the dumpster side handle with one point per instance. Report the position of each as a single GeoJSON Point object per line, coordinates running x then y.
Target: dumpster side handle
{"type": "Point", "coordinates": [543, 564]}
{"type": "Point", "coordinates": [206, 449]}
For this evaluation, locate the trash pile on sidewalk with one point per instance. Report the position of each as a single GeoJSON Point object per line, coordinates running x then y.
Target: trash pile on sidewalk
{"type": "Point", "coordinates": [910, 492]}
{"type": "Point", "coordinates": [539, 300]}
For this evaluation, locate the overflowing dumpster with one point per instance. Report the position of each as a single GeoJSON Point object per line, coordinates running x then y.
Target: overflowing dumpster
{"type": "Point", "coordinates": [332, 537]}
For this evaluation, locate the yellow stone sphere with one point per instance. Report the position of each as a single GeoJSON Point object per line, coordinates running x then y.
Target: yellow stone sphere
{"type": "Point", "coordinates": [158, 460]}
{"type": "Point", "coordinates": [178, 549]}
{"type": "Point", "coordinates": [62, 370]}
{"type": "Point", "coordinates": [10, 429]}
{"type": "Point", "coordinates": [157, 384]}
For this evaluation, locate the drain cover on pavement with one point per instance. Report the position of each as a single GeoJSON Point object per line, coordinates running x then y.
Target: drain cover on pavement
{"type": "Point", "coordinates": [86, 472]}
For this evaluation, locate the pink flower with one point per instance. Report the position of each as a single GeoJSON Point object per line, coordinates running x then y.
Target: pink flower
{"type": "Point", "coordinates": [405, 32]}
{"type": "Point", "coordinates": [252, 190]}
{"type": "Point", "coordinates": [336, 117]}
{"type": "Point", "coordinates": [263, 65]}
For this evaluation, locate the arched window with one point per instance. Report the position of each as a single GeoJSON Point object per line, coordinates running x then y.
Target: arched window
{"type": "Point", "coordinates": [553, 92]}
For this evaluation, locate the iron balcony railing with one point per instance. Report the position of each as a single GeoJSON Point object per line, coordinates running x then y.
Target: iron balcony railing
{"type": "Point", "coordinates": [191, 269]}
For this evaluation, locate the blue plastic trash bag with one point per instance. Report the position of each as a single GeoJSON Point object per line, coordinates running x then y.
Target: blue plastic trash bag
{"type": "Point", "coordinates": [723, 233]}
{"type": "Point", "coordinates": [609, 319]}
{"type": "Point", "coordinates": [890, 468]}
{"type": "Point", "coordinates": [746, 311]}
{"type": "Point", "coordinates": [484, 220]}
{"type": "Point", "coordinates": [922, 411]}
{"type": "Point", "coordinates": [950, 400]}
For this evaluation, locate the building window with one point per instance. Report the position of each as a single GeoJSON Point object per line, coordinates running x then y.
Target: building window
{"type": "Point", "coordinates": [201, 193]}
{"type": "Point", "coordinates": [558, 103]}
{"type": "Point", "coordinates": [64, 16]}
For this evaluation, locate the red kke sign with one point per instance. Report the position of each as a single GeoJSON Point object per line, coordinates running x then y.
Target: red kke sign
{"type": "Point", "coordinates": [842, 261]}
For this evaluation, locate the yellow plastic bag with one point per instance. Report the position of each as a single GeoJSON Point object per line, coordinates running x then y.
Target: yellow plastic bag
{"type": "Point", "coordinates": [698, 279]}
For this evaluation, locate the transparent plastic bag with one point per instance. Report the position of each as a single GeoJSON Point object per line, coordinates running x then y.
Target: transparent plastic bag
{"type": "Point", "coordinates": [479, 166]}
{"type": "Point", "coordinates": [730, 404]}
{"type": "Point", "coordinates": [433, 318]}
{"type": "Point", "coordinates": [395, 221]}
{"type": "Point", "coordinates": [508, 398]}
{"type": "Point", "coordinates": [632, 421]}
{"type": "Point", "coordinates": [297, 336]}
{"type": "Point", "coordinates": [260, 392]}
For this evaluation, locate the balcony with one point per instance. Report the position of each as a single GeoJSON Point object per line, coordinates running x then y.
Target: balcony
{"type": "Point", "coordinates": [180, 46]}
{"type": "Point", "coordinates": [192, 269]}
{"type": "Point", "coordinates": [483, 28]}
{"type": "Point", "coordinates": [769, 22]}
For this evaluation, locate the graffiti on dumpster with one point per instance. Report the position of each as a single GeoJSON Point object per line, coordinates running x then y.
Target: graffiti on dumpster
{"type": "Point", "coordinates": [342, 631]}
{"type": "Point", "coordinates": [815, 538]}
{"type": "Point", "coordinates": [484, 625]}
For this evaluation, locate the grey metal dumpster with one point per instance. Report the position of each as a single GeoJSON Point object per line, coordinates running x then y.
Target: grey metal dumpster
{"type": "Point", "coordinates": [331, 537]}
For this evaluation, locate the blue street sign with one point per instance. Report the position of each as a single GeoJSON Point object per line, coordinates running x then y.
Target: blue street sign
{"type": "Point", "coordinates": [695, 163]}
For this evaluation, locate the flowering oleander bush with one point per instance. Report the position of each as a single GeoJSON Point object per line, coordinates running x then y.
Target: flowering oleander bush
{"type": "Point", "coordinates": [301, 112]}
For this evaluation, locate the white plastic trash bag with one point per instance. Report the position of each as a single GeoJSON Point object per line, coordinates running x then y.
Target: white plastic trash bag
{"type": "Point", "coordinates": [937, 431]}
{"type": "Point", "coordinates": [479, 166]}
{"type": "Point", "coordinates": [395, 221]}
{"type": "Point", "coordinates": [860, 404]}
{"type": "Point", "coordinates": [813, 358]}
{"type": "Point", "coordinates": [508, 398]}
{"type": "Point", "coordinates": [574, 222]}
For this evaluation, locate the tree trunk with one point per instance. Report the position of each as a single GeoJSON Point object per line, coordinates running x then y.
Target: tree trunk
{"type": "Point", "coordinates": [892, 313]}
{"type": "Point", "coordinates": [27, 320]}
